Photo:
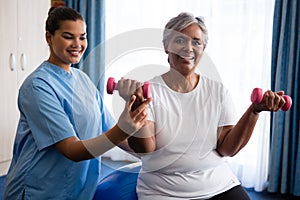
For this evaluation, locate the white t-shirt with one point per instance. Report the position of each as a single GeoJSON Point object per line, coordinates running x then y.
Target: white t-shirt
{"type": "Point", "coordinates": [185, 164]}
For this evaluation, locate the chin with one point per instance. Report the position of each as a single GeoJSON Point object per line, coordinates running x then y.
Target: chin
{"type": "Point", "coordinates": [75, 61]}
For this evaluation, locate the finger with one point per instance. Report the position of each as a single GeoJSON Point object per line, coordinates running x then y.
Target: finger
{"type": "Point", "coordinates": [133, 86]}
{"type": "Point", "coordinates": [139, 111]}
{"type": "Point", "coordinates": [125, 83]}
{"type": "Point", "coordinates": [269, 99]}
{"type": "Point", "coordinates": [120, 83]}
{"type": "Point", "coordinates": [277, 101]}
{"type": "Point", "coordinates": [143, 121]}
{"type": "Point", "coordinates": [143, 106]}
{"type": "Point", "coordinates": [281, 103]}
{"type": "Point", "coordinates": [139, 90]}
{"type": "Point", "coordinates": [141, 116]}
{"type": "Point", "coordinates": [130, 103]}
{"type": "Point", "coordinates": [280, 92]}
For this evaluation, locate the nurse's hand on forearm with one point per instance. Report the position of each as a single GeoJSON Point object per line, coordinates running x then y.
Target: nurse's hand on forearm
{"type": "Point", "coordinates": [131, 121]}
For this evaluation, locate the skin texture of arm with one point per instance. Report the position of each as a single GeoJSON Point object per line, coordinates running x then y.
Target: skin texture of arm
{"type": "Point", "coordinates": [233, 138]}
{"type": "Point", "coordinates": [78, 150]}
{"type": "Point", "coordinates": [75, 150]}
{"type": "Point", "coordinates": [144, 140]}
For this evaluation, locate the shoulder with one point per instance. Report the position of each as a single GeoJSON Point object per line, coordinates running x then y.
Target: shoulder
{"type": "Point", "coordinates": [156, 79]}
{"type": "Point", "coordinates": [215, 89]}
{"type": "Point", "coordinates": [157, 82]}
{"type": "Point", "coordinates": [36, 77]}
{"type": "Point", "coordinates": [213, 84]}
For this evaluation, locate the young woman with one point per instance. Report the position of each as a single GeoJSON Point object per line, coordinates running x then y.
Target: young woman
{"type": "Point", "coordinates": [64, 125]}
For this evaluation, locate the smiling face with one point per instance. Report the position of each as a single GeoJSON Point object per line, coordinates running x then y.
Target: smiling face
{"type": "Point", "coordinates": [185, 49]}
{"type": "Point", "coordinates": [68, 43]}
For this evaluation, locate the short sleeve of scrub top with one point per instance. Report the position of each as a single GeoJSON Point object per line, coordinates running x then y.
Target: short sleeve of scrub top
{"type": "Point", "coordinates": [45, 114]}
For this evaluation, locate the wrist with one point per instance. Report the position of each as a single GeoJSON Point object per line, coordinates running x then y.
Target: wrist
{"type": "Point", "coordinates": [125, 129]}
{"type": "Point", "coordinates": [254, 110]}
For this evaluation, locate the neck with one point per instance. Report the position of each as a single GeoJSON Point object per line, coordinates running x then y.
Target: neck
{"type": "Point", "coordinates": [181, 83]}
{"type": "Point", "coordinates": [66, 67]}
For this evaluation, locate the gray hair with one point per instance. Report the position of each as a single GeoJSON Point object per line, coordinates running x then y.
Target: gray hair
{"type": "Point", "coordinates": [182, 21]}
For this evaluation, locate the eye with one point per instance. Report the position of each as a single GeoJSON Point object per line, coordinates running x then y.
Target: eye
{"type": "Point", "coordinates": [179, 40]}
{"type": "Point", "coordinates": [67, 37]}
{"type": "Point", "coordinates": [196, 43]}
{"type": "Point", "coordinates": [83, 38]}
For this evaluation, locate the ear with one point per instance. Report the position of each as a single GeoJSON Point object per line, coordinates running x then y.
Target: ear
{"type": "Point", "coordinates": [48, 37]}
{"type": "Point", "coordinates": [166, 48]}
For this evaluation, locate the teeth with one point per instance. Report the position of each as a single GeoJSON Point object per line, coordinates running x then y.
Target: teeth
{"type": "Point", "coordinates": [187, 57]}
{"type": "Point", "coordinates": [74, 53]}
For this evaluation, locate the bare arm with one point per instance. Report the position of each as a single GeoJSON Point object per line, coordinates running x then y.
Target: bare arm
{"type": "Point", "coordinates": [78, 150]}
{"type": "Point", "coordinates": [233, 138]}
{"type": "Point", "coordinates": [144, 140]}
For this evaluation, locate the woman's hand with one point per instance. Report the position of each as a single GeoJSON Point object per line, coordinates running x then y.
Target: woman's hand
{"type": "Point", "coordinates": [128, 87]}
{"type": "Point", "coordinates": [131, 121]}
{"type": "Point", "coordinates": [272, 101]}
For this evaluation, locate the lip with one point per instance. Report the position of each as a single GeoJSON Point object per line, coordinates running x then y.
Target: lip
{"type": "Point", "coordinates": [187, 57]}
{"type": "Point", "coordinates": [74, 53]}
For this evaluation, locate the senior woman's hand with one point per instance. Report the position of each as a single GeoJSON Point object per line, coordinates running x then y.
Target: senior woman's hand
{"type": "Point", "coordinates": [272, 101]}
{"type": "Point", "coordinates": [127, 88]}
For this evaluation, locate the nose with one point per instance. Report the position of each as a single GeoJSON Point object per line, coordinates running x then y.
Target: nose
{"type": "Point", "coordinates": [188, 47]}
{"type": "Point", "coordinates": [76, 42]}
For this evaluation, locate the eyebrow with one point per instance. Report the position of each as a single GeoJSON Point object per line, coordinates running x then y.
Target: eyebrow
{"type": "Point", "coordinates": [185, 36]}
{"type": "Point", "coordinates": [197, 39]}
{"type": "Point", "coordinates": [68, 33]}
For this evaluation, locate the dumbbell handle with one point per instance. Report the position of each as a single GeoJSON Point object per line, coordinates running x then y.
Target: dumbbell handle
{"type": "Point", "coordinates": [111, 86]}
{"type": "Point", "coordinates": [257, 96]}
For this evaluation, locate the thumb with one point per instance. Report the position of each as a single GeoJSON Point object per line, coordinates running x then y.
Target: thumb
{"type": "Point", "coordinates": [131, 101]}
{"type": "Point", "coordinates": [280, 92]}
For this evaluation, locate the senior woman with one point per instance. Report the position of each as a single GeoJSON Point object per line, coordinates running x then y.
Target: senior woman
{"type": "Point", "coordinates": [192, 124]}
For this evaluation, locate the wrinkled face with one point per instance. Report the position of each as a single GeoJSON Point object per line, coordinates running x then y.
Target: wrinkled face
{"type": "Point", "coordinates": [185, 49]}
{"type": "Point", "coordinates": [68, 43]}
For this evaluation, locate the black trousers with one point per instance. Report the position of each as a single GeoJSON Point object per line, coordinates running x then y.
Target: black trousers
{"type": "Point", "coordinates": [235, 193]}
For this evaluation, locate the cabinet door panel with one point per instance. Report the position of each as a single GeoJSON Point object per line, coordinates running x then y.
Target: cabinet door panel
{"type": "Point", "coordinates": [8, 78]}
{"type": "Point", "coordinates": [22, 33]}
{"type": "Point", "coordinates": [31, 34]}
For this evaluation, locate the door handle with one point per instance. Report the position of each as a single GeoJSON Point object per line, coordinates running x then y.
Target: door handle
{"type": "Point", "coordinates": [12, 62]}
{"type": "Point", "coordinates": [23, 61]}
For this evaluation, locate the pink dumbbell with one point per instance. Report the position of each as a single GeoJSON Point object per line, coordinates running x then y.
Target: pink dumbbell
{"type": "Point", "coordinates": [111, 86]}
{"type": "Point", "coordinates": [257, 96]}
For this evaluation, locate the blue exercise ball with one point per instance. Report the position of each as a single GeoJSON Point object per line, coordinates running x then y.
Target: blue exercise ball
{"type": "Point", "coordinates": [120, 184]}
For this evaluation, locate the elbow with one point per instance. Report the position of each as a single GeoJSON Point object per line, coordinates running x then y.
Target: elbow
{"type": "Point", "coordinates": [140, 147]}
{"type": "Point", "coordinates": [227, 152]}
{"type": "Point", "coordinates": [74, 158]}
{"type": "Point", "coordinates": [147, 149]}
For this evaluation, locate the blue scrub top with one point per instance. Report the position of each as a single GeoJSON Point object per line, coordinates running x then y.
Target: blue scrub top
{"type": "Point", "coordinates": [55, 105]}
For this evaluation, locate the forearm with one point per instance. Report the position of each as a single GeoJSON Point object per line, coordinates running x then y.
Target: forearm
{"type": "Point", "coordinates": [78, 150]}
{"type": "Point", "coordinates": [237, 137]}
{"type": "Point", "coordinates": [125, 147]}
{"type": "Point", "coordinates": [144, 140]}
{"type": "Point", "coordinates": [129, 123]}
{"type": "Point", "coordinates": [141, 145]}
